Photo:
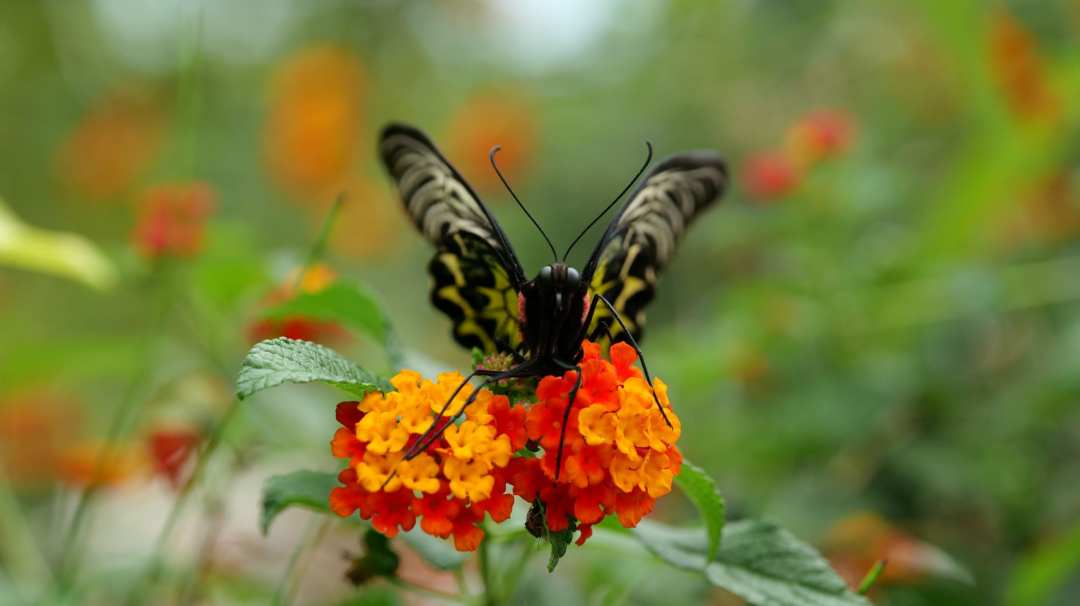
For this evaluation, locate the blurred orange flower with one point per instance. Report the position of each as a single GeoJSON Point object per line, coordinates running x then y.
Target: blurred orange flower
{"type": "Point", "coordinates": [820, 135]}
{"type": "Point", "coordinates": [489, 119]}
{"type": "Point", "coordinates": [115, 141]}
{"type": "Point", "coordinates": [88, 461]}
{"type": "Point", "coordinates": [34, 427]}
{"type": "Point", "coordinates": [369, 224]}
{"type": "Point", "coordinates": [314, 280]}
{"type": "Point", "coordinates": [171, 219]}
{"type": "Point", "coordinates": [1020, 70]}
{"type": "Point", "coordinates": [315, 115]}
{"type": "Point", "coordinates": [859, 541]}
{"type": "Point", "coordinates": [770, 175]}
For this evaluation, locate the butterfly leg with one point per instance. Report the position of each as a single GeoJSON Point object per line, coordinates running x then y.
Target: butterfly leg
{"type": "Point", "coordinates": [436, 430]}
{"type": "Point", "coordinates": [633, 343]}
{"type": "Point", "coordinates": [427, 434]}
{"type": "Point", "coordinates": [566, 414]}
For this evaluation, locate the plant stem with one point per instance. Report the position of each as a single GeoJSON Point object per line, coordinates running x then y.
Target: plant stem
{"type": "Point", "coordinates": [485, 573]}
{"type": "Point", "coordinates": [300, 560]}
{"type": "Point", "coordinates": [154, 571]}
{"type": "Point", "coordinates": [122, 419]}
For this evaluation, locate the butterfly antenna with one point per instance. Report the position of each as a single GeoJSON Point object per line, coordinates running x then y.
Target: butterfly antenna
{"type": "Point", "coordinates": [491, 157]}
{"type": "Point", "coordinates": [648, 159]}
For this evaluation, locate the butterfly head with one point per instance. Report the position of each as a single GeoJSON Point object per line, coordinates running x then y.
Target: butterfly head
{"type": "Point", "coordinates": [560, 281]}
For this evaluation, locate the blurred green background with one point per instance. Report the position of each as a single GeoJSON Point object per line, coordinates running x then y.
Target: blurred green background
{"type": "Point", "coordinates": [874, 340]}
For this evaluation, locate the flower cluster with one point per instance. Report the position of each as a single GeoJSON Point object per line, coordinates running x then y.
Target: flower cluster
{"type": "Point", "coordinates": [451, 485]}
{"type": "Point", "coordinates": [618, 454]}
{"type": "Point", "coordinates": [617, 457]}
{"type": "Point", "coordinates": [172, 219]}
{"type": "Point", "coordinates": [814, 138]}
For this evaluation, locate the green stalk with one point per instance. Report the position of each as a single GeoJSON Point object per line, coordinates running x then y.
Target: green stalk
{"type": "Point", "coordinates": [154, 572]}
{"type": "Point", "coordinates": [125, 415]}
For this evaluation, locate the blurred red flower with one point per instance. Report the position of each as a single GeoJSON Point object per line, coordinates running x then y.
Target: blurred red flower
{"type": "Point", "coordinates": [1020, 70]}
{"type": "Point", "coordinates": [114, 142]}
{"type": "Point", "coordinates": [171, 219]}
{"type": "Point", "coordinates": [315, 279]}
{"type": "Point", "coordinates": [316, 113]}
{"type": "Point", "coordinates": [489, 119]}
{"type": "Point", "coordinates": [819, 136]}
{"type": "Point", "coordinates": [770, 175]}
{"type": "Point", "coordinates": [170, 448]}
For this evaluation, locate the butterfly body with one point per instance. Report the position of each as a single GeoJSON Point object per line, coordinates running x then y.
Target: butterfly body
{"type": "Point", "coordinates": [479, 283]}
{"type": "Point", "coordinates": [553, 309]}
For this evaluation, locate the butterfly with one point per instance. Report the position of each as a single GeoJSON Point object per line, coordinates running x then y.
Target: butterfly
{"type": "Point", "coordinates": [480, 284]}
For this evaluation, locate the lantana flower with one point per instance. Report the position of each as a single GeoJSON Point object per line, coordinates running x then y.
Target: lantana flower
{"type": "Point", "coordinates": [617, 453]}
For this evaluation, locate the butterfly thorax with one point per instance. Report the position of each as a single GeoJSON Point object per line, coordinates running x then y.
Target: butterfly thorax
{"type": "Point", "coordinates": [552, 308]}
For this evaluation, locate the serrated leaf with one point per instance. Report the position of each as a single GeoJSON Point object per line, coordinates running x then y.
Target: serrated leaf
{"type": "Point", "coordinates": [304, 488]}
{"type": "Point", "coordinates": [757, 561]}
{"type": "Point", "coordinates": [435, 551]}
{"type": "Point", "coordinates": [347, 304]}
{"type": "Point", "coordinates": [700, 488]}
{"type": "Point", "coordinates": [283, 360]}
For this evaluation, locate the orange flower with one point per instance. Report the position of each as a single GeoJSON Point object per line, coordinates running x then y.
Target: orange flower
{"type": "Point", "coordinates": [451, 486]}
{"type": "Point", "coordinates": [619, 454]}
{"type": "Point", "coordinates": [489, 119]}
{"type": "Point", "coordinates": [35, 427]}
{"type": "Point", "coordinates": [316, 109]}
{"type": "Point", "coordinates": [114, 142]}
{"type": "Point", "coordinates": [1020, 70]}
{"type": "Point", "coordinates": [618, 457]}
{"type": "Point", "coordinates": [87, 462]}
{"type": "Point", "coordinates": [369, 223]}
{"type": "Point", "coordinates": [820, 135]}
{"type": "Point", "coordinates": [770, 175]}
{"type": "Point", "coordinates": [856, 542]}
{"type": "Point", "coordinates": [171, 220]}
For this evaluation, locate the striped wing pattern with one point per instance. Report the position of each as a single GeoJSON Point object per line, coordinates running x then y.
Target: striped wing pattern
{"type": "Point", "coordinates": [476, 274]}
{"type": "Point", "coordinates": [643, 238]}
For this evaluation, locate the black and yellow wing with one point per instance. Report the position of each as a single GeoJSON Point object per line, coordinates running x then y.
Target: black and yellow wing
{"type": "Point", "coordinates": [643, 237]}
{"type": "Point", "coordinates": [476, 274]}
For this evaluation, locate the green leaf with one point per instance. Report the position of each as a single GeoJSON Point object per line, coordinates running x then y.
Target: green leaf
{"type": "Point", "coordinates": [59, 253]}
{"type": "Point", "coordinates": [1045, 570]}
{"type": "Point", "coordinates": [347, 304]}
{"type": "Point", "coordinates": [435, 551]}
{"type": "Point", "coordinates": [700, 488]}
{"type": "Point", "coordinates": [304, 488]}
{"type": "Point", "coordinates": [757, 561]}
{"type": "Point", "coordinates": [283, 360]}
{"type": "Point", "coordinates": [559, 542]}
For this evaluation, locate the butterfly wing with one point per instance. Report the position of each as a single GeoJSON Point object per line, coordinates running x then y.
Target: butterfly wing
{"type": "Point", "coordinates": [476, 274]}
{"type": "Point", "coordinates": [643, 237]}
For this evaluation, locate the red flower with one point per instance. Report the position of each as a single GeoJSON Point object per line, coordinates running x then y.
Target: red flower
{"type": "Point", "coordinates": [171, 220]}
{"type": "Point", "coordinates": [770, 175]}
{"type": "Point", "coordinates": [170, 449]}
{"type": "Point", "coordinates": [820, 135]}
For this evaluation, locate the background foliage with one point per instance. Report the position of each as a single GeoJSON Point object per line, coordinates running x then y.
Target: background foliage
{"type": "Point", "coordinates": [874, 341]}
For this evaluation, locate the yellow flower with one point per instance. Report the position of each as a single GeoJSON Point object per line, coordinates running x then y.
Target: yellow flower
{"type": "Point", "coordinates": [420, 474]}
{"type": "Point", "coordinates": [469, 479]}
{"type": "Point", "coordinates": [381, 432]}
{"type": "Point", "coordinates": [375, 469]}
